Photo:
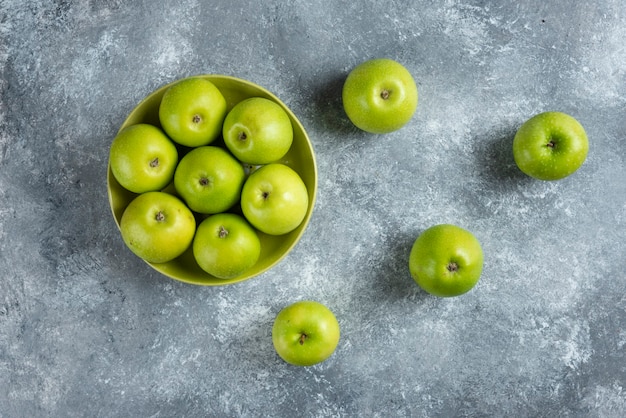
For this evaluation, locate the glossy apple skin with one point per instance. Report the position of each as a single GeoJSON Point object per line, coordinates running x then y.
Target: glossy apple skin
{"type": "Point", "coordinates": [209, 179]}
{"type": "Point", "coordinates": [446, 260]}
{"type": "Point", "coordinates": [192, 112]}
{"type": "Point", "coordinates": [226, 246]}
{"type": "Point", "coordinates": [258, 131]}
{"type": "Point", "coordinates": [274, 199]}
{"type": "Point", "coordinates": [143, 158]}
{"type": "Point", "coordinates": [379, 96]}
{"type": "Point", "coordinates": [157, 227]}
{"type": "Point", "coordinates": [305, 333]}
{"type": "Point", "coordinates": [550, 146]}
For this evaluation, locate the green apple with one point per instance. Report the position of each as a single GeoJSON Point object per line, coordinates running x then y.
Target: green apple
{"type": "Point", "coordinates": [209, 179]}
{"type": "Point", "coordinates": [379, 96]}
{"type": "Point", "coordinates": [142, 158]}
{"type": "Point", "coordinates": [446, 260]}
{"type": "Point", "coordinates": [305, 333]}
{"type": "Point", "coordinates": [258, 131]}
{"type": "Point", "coordinates": [550, 146]}
{"type": "Point", "coordinates": [157, 227]}
{"type": "Point", "coordinates": [226, 246]}
{"type": "Point", "coordinates": [274, 199]}
{"type": "Point", "coordinates": [192, 111]}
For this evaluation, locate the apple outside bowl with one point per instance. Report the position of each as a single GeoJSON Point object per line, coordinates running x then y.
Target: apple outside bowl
{"type": "Point", "coordinates": [300, 157]}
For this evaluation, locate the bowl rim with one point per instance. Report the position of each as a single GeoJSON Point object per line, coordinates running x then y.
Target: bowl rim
{"type": "Point", "coordinates": [306, 143]}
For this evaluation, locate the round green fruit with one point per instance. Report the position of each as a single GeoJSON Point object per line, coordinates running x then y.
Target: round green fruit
{"type": "Point", "coordinates": [305, 333]}
{"type": "Point", "coordinates": [142, 158]}
{"type": "Point", "coordinates": [226, 246]}
{"type": "Point", "coordinates": [209, 179]}
{"type": "Point", "coordinates": [379, 96]}
{"type": "Point", "coordinates": [446, 260]}
{"type": "Point", "coordinates": [274, 199]}
{"type": "Point", "coordinates": [157, 227]}
{"type": "Point", "coordinates": [192, 112]}
{"type": "Point", "coordinates": [550, 146]}
{"type": "Point", "coordinates": [258, 131]}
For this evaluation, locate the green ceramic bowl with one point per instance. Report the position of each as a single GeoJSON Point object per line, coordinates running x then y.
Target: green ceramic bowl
{"type": "Point", "coordinates": [300, 157]}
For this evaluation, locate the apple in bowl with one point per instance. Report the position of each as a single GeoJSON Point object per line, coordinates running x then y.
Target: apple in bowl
{"type": "Point", "coordinates": [157, 227]}
{"type": "Point", "coordinates": [274, 199]}
{"type": "Point", "coordinates": [192, 111]}
{"type": "Point", "coordinates": [258, 131]}
{"type": "Point", "coordinates": [209, 179]}
{"type": "Point", "coordinates": [143, 158]}
{"type": "Point", "coordinates": [226, 246]}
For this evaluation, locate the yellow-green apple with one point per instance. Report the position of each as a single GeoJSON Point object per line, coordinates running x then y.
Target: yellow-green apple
{"type": "Point", "coordinates": [226, 246]}
{"type": "Point", "coordinates": [209, 179]}
{"type": "Point", "coordinates": [157, 227]}
{"type": "Point", "coordinates": [550, 146]}
{"type": "Point", "coordinates": [305, 333]}
{"type": "Point", "coordinates": [258, 131]}
{"type": "Point", "coordinates": [446, 260]}
{"type": "Point", "coordinates": [192, 112]}
{"type": "Point", "coordinates": [379, 96]}
{"type": "Point", "coordinates": [274, 199]}
{"type": "Point", "coordinates": [142, 158]}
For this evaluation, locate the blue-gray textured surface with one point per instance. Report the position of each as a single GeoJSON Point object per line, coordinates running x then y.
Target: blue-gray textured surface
{"type": "Point", "coordinates": [87, 329]}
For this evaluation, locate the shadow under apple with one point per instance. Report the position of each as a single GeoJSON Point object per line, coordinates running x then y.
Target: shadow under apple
{"type": "Point", "coordinates": [393, 278]}
{"type": "Point", "coordinates": [328, 112]}
{"type": "Point", "coordinates": [495, 155]}
{"type": "Point", "coordinates": [252, 343]}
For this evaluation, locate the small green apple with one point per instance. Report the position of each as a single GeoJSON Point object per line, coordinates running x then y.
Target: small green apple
{"type": "Point", "coordinates": [550, 146]}
{"type": "Point", "coordinates": [446, 260]}
{"type": "Point", "coordinates": [305, 333]}
{"type": "Point", "coordinates": [226, 246]}
{"type": "Point", "coordinates": [379, 96]}
{"type": "Point", "coordinates": [157, 227]}
{"type": "Point", "coordinates": [274, 199]}
{"type": "Point", "coordinates": [142, 158]}
{"type": "Point", "coordinates": [192, 111]}
{"type": "Point", "coordinates": [258, 131]}
{"type": "Point", "coordinates": [209, 179]}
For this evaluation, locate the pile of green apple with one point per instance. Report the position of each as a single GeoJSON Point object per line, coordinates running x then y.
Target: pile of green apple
{"type": "Point", "coordinates": [379, 96]}
{"type": "Point", "coordinates": [216, 198]}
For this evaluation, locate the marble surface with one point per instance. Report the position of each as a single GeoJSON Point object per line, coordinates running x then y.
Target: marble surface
{"type": "Point", "coordinates": [87, 329]}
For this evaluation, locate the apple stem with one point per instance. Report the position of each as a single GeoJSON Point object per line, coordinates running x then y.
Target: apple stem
{"type": "Point", "coordinates": [452, 267]}
{"type": "Point", "coordinates": [550, 144]}
{"type": "Point", "coordinates": [223, 232]}
{"type": "Point", "coordinates": [159, 217]}
{"type": "Point", "coordinates": [155, 162]}
{"type": "Point", "coordinates": [302, 338]}
{"type": "Point", "coordinates": [385, 94]}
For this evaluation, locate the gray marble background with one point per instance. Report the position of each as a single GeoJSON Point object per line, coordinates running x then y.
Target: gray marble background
{"type": "Point", "coordinates": [87, 329]}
